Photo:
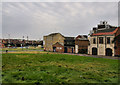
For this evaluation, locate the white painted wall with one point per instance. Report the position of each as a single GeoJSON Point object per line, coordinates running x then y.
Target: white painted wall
{"type": "Point", "coordinates": [76, 48]}
{"type": "Point", "coordinates": [101, 47]}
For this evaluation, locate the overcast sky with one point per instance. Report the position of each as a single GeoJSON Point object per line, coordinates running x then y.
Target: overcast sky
{"type": "Point", "coordinates": [36, 19]}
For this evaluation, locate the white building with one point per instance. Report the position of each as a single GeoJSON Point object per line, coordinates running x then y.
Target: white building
{"type": "Point", "coordinates": [101, 40]}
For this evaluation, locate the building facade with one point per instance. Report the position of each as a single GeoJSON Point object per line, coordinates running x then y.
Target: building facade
{"type": "Point", "coordinates": [101, 40]}
{"type": "Point", "coordinates": [57, 47]}
{"type": "Point", "coordinates": [1, 44]}
{"type": "Point", "coordinates": [81, 44]}
{"type": "Point", "coordinates": [69, 45]}
{"type": "Point", "coordinates": [117, 43]}
{"type": "Point", "coordinates": [56, 42]}
{"type": "Point", "coordinates": [51, 39]}
{"type": "Point", "coordinates": [19, 42]}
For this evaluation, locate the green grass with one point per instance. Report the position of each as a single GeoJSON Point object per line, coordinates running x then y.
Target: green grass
{"type": "Point", "coordinates": [57, 68]}
{"type": "Point", "coordinates": [21, 49]}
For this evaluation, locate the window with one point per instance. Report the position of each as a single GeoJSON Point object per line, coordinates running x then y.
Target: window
{"type": "Point", "coordinates": [108, 40]}
{"type": "Point", "coordinates": [60, 47]}
{"type": "Point", "coordinates": [94, 41]}
{"type": "Point", "coordinates": [100, 40]}
{"type": "Point", "coordinates": [119, 41]}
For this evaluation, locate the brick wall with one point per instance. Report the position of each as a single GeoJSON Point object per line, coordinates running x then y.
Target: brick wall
{"type": "Point", "coordinates": [52, 39]}
{"type": "Point", "coordinates": [59, 48]}
{"type": "Point", "coordinates": [117, 50]}
{"type": "Point", "coordinates": [69, 49]}
{"type": "Point", "coordinates": [82, 44]}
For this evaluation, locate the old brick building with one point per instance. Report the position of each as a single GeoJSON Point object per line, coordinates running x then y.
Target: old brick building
{"type": "Point", "coordinates": [69, 45]}
{"type": "Point", "coordinates": [81, 44]}
{"type": "Point", "coordinates": [117, 42]}
{"type": "Point", "coordinates": [101, 40]}
{"type": "Point", "coordinates": [56, 42]}
{"type": "Point", "coordinates": [51, 39]}
{"type": "Point", "coordinates": [1, 44]}
{"type": "Point", "coordinates": [57, 47]}
{"type": "Point", "coordinates": [19, 42]}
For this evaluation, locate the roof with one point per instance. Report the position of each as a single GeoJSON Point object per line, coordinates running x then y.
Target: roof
{"type": "Point", "coordinates": [106, 30]}
{"type": "Point", "coordinates": [81, 37]}
{"type": "Point", "coordinates": [109, 31]}
{"type": "Point", "coordinates": [69, 38]}
{"type": "Point", "coordinates": [52, 34]}
{"type": "Point", "coordinates": [58, 43]}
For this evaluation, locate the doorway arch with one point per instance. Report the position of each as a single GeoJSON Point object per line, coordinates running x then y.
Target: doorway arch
{"type": "Point", "coordinates": [108, 52]}
{"type": "Point", "coordinates": [94, 51]}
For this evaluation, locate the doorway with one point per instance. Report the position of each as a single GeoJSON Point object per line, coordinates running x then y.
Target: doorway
{"type": "Point", "coordinates": [108, 52]}
{"type": "Point", "coordinates": [94, 51]}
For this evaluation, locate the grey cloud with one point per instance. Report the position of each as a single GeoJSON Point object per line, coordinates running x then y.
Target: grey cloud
{"type": "Point", "coordinates": [39, 19]}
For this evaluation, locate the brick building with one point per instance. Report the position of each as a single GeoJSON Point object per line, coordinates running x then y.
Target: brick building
{"type": "Point", "coordinates": [101, 40]}
{"type": "Point", "coordinates": [69, 45]}
{"type": "Point", "coordinates": [19, 42]}
{"type": "Point", "coordinates": [56, 42]}
{"type": "Point", "coordinates": [57, 47]}
{"type": "Point", "coordinates": [81, 44]}
{"type": "Point", "coordinates": [51, 39]}
{"type": "Point", "coordinates": [117, 43]}
{"type": "Point", "coordinates": [1, 44]}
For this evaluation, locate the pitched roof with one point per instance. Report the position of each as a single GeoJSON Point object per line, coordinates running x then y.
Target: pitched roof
{"type": "Point", "coordinates": [109, 31]}
{"type": "Point", "coordinates": [81, 37]}
{"type": "Point", "coordinates": [57, 43]}
{"type": "Point", "coordinates": [69, 38]}
{"type": "Point", "coordinates": [52, 34]}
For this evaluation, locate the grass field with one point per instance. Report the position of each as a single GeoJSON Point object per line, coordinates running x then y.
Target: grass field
{"type": "Point", "coordinates": [57, 68]}
{"type": "Point", "coordinates": [21, 49]}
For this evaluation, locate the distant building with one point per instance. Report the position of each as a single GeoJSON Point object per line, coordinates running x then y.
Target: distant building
{"type": "Point", "coordinates": [117, 43]}
{"type": "Point", "coordinates": [20, 42]}
{"type": "Point", "coordinates": [58, 47]}
{"type": "Point", "coordinates": [56, 42]}
{"type": "Point", "coordinates": [81, 44]}
{"type": "Point", "coordinates": [51, 39]}
{"type": "Point", "coordinates": [101, 40]}
{"type": "Point", "coordinates": [1, 44]}
{"type": "Point", "coordinates": [69, 45]}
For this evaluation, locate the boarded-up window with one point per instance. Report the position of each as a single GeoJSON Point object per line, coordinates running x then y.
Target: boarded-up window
{"type": "Point", "coordinates": [100, 40]}
{"type": "Point", "coordinates": [108, 40]}
{"type": "Point", "coordinates": [94, 41]}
